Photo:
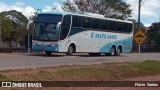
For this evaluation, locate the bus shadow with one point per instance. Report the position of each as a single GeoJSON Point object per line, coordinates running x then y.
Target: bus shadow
{"type": "Point", "coordinates": [99, 56]}
{"type": "Point", "coordinates": [44, 55]}
{"type": "Point", "coordinates": [63, 55]}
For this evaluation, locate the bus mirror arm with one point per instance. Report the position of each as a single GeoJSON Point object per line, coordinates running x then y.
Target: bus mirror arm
{"type": "Point", "coordinates": [28, 24]}
{"type": "Point", "coordinates": [58, 26]}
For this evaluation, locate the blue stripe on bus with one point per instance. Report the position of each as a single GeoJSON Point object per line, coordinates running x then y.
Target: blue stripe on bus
{"type": "Point", "coordinates": [45, 48]}
{"type": "Point", "coordinates": [126, 45]}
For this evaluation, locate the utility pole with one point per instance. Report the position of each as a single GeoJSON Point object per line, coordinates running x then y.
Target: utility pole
{"type": "Point", "coordinates": [0, 28]}
{"type": "Point", "coordinates": [28, 36]}
{"type": "Point", "coordinates": [139, 14]}
{"type": "Point", "coordinates": [139, 20]}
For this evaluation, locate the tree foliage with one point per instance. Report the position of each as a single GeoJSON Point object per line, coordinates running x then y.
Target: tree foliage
{"type": "Point", "coordinates": [142, 27]}
{"type": "Point", "coordinates": [10, 30]}
{"type": "Point", "coordinates": [154, 34]}
{"type": "Point", "coordinates": [109, 8]}
{"type": "Point", "coordinates": [16, 14]}
{"type": "Point", "coordinates": [6, 30]}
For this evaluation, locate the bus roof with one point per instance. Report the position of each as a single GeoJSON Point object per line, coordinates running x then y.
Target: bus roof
{"type": "Point", "coordinates": [86, 15]}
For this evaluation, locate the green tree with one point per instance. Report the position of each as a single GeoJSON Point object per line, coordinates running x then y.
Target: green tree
{"type": "Point", "coordinates": [157, 40]}
{"type": "Point", "coordinates": [12, 31]}
{"type": "Point", "coordinates": [154, 34]}
{"type": "Point", "coordinates": [109, 8]}
{"type": "Point", "coordinates": [142, 27]}
{"type": "Point", "coordinates": [6, 30]}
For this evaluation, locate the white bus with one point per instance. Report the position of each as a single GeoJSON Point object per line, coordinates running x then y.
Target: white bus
{"type": "Point", "coordinates": [74, 33]}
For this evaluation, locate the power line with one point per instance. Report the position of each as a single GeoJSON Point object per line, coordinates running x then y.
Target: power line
{"type": "Point", "coordinates": [154, 2]}
{"type": "Point", "coordinates": [143, 2]}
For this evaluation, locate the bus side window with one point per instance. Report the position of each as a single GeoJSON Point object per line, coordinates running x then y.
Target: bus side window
{"type": "Point", "coordinates": [86, 22]}
{"type": "Point", "coordinates": [65, 26]}
{"type": "Point", "coordinates": [95, 23]}
{"type": "Point", "coordinates": [104, 24]}
{"type": "Point", "coordinates": [66, 21]}
{"type": "Point", "coordinates": [76, 21]}
{"type": "Point", "coordinates": [112, 25]}
{"type": "Point", "coordinates": [125, 27]}
{"type": "Point", "coordinates": [130, 27]}
{"type": "Point", "coordinates": [120, 26]}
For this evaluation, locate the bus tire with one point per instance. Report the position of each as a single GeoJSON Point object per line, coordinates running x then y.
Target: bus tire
{"type": "Point", "coordinates": [113, 51]}
{"type": "Point", "coordinates": [70, 50]}
{"type": "Point", "coordinates": [94, 54]}
{"type": "Point", "coordinates": [118, 51]}
{"type": "Point", "coordinates": [48, 53]}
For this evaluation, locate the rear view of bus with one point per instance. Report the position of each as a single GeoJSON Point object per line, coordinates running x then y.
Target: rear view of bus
{"type": "Point", "coordinates": [82, 33]}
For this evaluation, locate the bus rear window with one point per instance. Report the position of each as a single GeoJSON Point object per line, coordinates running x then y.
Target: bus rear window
{"type": "Point", "coordinates": [130, 26]}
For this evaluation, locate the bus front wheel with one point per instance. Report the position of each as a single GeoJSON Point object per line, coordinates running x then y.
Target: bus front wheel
{"type": "Point", "coordinates": [70, 50]}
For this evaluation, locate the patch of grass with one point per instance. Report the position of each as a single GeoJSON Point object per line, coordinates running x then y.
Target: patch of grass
{"type": "Point", "coordinates": [93, 72]}
{"type": "Point", "coordinates": [4, 78]}
{"type": "Point", "coordinates": [76, 71]}
{"type": "Point", "coordinates": [148, 67]}
{"type": "Point", "coordinates": [43, 73]}
{"type": "Point", "coordinates": [100, 72]}
{"type": "Point", "coordinates": [122, 71]}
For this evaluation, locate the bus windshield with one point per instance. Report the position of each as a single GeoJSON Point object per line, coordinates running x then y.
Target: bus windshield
{"type": "Point", "coordinates": [45, 27]}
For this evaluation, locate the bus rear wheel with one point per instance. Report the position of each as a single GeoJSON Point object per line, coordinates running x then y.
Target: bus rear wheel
{"type": "Point", "coordinates": [70, 50]}
{"type": "Point", "coordinates": [48, 53]}
{"type": "Point", "coordinates": [118, 52]}
{"type": "Point", "coordinates": [113, 51]}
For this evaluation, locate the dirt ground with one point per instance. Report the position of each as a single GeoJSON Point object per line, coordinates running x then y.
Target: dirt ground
{"type": "Point", "coordinates": [148, 78]}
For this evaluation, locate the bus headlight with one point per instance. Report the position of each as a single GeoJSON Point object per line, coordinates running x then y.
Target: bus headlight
{"type": "Point", "coordinates": [55, 45]}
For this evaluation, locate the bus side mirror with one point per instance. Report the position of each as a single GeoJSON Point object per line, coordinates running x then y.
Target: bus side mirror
{"type": "Point", "coordinates": [58, 26]}
{"type": "Point", "coordinates": [28, 24]}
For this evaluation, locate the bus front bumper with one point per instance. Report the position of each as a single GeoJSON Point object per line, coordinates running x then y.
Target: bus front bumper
{"type": "Point", "coordinates": [45, 48]}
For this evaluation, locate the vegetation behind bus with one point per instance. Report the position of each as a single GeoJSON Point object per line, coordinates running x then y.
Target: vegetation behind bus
{"type": "Point", "coordinates": [10, 30]}
{"type": "Point", "coordinates": [109, 8]}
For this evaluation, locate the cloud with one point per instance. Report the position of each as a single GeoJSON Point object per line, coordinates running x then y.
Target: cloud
{"type": "Point", "coordinates": [55, 6]}
{"type": "Point", "coordinates": [149, 10]}
{"type": "Point", "coordinates": [26, 11]}
{"type": "Point", "coordinates": [147, 24]}
{"type": "Point", "coordinates": [47, 9]}
{"type": "Point", "coordinates": [19, 4]}
{"type": "Point", "coordinates": [58, 6]}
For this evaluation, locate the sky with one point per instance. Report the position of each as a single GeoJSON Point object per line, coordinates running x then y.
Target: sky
{"type": "Point", "coordinates": [150, 10]}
